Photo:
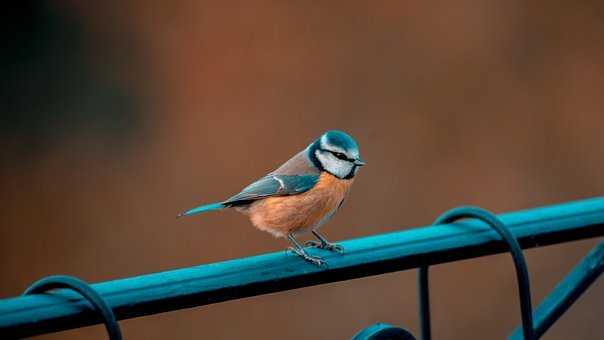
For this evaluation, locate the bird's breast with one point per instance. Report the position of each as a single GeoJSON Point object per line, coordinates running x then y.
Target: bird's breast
{"type": "Point", "coordinates": [296, 213]}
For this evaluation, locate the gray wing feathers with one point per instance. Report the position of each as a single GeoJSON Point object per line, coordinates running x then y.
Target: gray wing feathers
{"type": "Point", "coordinates": [295, 176]}
{"type": "Point", "coordinates": [274, 185]}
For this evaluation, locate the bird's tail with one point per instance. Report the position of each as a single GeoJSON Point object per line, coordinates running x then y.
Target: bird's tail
{"type": "Point", "coordinates": [203, 208]}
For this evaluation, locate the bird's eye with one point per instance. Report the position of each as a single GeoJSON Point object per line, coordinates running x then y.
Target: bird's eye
{"type": "Point", "coordinates": [340, 155]}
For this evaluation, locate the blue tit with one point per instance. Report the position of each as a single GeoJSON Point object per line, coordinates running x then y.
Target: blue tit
{"type": "Point", "coordinates": [302, 194]}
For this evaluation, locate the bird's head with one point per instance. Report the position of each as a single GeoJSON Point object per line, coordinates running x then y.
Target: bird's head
{"type": "Point", "coordinates": [337, 153]}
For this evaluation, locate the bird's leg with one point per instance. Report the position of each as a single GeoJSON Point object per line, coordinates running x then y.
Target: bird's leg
{"type": "Point", "coordinates": [297, 249]}
{"type": "Point", "coordinates": [324, 244]}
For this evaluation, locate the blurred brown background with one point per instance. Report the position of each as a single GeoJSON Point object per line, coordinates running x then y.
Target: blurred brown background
{"type": "Point", "coordinates": [117, 115]}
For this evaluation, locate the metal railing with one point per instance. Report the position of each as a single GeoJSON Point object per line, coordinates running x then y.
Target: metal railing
{"type": "Point", "coordinates": [37, 313]}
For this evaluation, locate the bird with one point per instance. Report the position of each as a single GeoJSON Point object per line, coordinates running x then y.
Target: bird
{"type": "Point", "coordinates": [301, 195]}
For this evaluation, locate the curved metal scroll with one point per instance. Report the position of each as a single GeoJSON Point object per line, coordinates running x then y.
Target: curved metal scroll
{"type": "Point", "coordinates": [62, 281]}
{"type": "Point", "coordinates": [383, 331]}
{"type": "Point", "coordinates": [519, 262]}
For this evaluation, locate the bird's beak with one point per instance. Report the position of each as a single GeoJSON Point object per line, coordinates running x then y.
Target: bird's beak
{"type": "Point", "coordinates": [359, 162]}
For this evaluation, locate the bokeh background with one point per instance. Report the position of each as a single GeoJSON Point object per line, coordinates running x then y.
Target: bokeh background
{"type": "Point", "coordinates": [117, 115]}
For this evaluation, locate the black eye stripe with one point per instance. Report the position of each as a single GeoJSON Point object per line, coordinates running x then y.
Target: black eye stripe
{"type": "Point", "coordinates": [338, 155]}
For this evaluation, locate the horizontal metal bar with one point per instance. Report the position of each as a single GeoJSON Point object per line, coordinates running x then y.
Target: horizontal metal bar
{"type": "Point", "coordinates": [566, 292]}
{"type": "Point", "coordinates": [274, 272]}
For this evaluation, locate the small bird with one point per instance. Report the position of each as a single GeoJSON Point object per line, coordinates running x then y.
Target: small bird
{"type": "Point", "coordinates": [302, 194]}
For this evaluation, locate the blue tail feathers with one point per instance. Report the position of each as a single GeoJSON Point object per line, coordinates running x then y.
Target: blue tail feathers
{"type": "Point", "coordinates": [203, 208]}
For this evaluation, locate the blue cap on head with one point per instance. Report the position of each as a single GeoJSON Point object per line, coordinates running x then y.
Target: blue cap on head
{"type": "Point", "coordinates": [339, 141]}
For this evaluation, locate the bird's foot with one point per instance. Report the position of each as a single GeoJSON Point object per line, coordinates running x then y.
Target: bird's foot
{"type": "Point", "coordinates": [317, 261]}
{"type": "Point", "coordinates": [325, 245]}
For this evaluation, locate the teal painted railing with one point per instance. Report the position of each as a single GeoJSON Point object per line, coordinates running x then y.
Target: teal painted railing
{"type": "Point", "coordinates": [39, 313]}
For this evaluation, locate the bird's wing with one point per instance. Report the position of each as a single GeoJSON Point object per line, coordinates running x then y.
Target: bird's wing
{"type": "Point", "coordinates": [274, 185]}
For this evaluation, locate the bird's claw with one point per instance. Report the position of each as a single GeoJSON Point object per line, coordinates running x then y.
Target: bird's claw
{"type": "Point", "coordinates": [317, 261]}
{"type": "Point", "coordinates": [325, 245]}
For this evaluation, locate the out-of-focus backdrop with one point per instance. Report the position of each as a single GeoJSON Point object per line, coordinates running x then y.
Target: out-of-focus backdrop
{"type": "Point", "coordinates": [117, 115]}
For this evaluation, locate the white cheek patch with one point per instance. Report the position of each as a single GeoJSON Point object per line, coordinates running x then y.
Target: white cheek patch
{"type": "Point", "coordinates": [333, 165]}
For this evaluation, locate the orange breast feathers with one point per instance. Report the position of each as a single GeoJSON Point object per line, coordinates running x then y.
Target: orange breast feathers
{"type": "Point", "coordinates": [298, 213]}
